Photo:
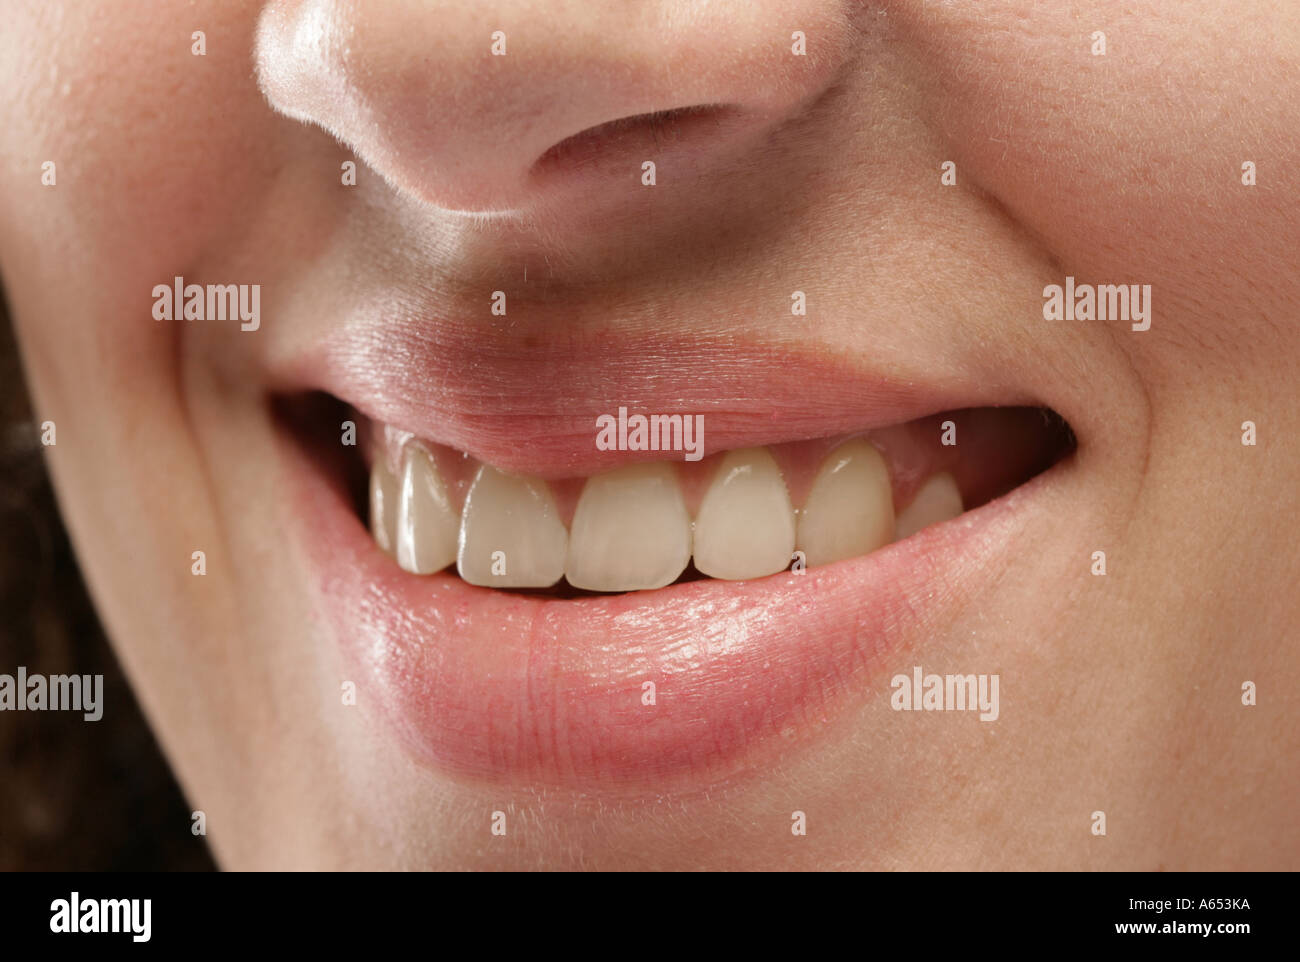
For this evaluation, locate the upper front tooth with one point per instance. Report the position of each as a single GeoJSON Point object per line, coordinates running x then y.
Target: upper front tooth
{"type": "Point", "coordinates": [384, 492]}
{"type": "Point", "coordinates": [745, 525]}
{"type": "Point", "coordinates": [630, 531]}
{"type": "Point", "coordinates": [511, 535]}
{"type": "Point", "coordinates": [426, 524]}
{"type": "Point", "coordinates": [850, 509]}
{"type": "Point", "coordinates": [938, 500]}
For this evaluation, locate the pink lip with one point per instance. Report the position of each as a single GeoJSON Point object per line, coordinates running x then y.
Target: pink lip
{"type": "Point", "coordinates": [492, 685]}
{"type": "Point", "coordinates": [527, 400]}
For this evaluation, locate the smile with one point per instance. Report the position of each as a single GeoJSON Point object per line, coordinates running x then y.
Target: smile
{"type": "Point", "coordinates": [516, 604]}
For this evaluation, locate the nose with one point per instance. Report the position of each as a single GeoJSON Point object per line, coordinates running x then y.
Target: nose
{"type": "Point", "coordinates": [468, 104]}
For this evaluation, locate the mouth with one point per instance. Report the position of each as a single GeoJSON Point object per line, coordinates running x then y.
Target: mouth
{"type": "Point", "coordinates": [679, 610]}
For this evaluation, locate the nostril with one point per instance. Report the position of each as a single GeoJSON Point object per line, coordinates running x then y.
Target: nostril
{"type": "Point", "coordinates": [649, 134]}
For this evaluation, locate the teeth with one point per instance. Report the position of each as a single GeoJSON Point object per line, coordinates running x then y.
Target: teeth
{"type": "Point", "coordinates": [511, 535]}
{"type": "Point", "coordinates": [426, 524]}
{"type": "Point", "coordinates": [384, 492]}
{"type": "Point", "coordinates": [745, 525]}
{"type": "Point", "coordinates": [850, 510]}
{"type": "Point", "coordinates": [630, 531]}
{"type": "Point", "coordinates": [938, 500]}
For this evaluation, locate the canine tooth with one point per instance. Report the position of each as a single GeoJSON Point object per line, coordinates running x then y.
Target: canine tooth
{"type": "Point", "coordinates": [426, 525]}
{"type": "Point", "coordinates": [938, 500]}
{"type": "Point", "coordinates": [850, 509]}
{"type": "Point", "coordinates": [511, 535]}
{"type": "Point", "coordinates": [630, 531]}
{"type": "Point", "coordinates": [384, 493]}
{"type": "Point", "coordinates": [745, 525]}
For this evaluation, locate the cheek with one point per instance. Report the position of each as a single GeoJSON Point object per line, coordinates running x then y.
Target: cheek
{"type": "Point", "coordinates": [156, 152]}
{"type": "Point", "coordinates": [1127, 165]}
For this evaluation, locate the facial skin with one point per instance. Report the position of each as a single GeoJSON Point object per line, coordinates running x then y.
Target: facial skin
{"type": "Point", "coordinates": [1119, 693]}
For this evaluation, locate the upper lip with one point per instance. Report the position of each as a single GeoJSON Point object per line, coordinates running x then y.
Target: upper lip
{"type": "Point", "coordinates": [527, 400]}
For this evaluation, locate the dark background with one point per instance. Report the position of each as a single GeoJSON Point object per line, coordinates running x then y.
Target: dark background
{"type": "Point", "coordinates": [74, 795]}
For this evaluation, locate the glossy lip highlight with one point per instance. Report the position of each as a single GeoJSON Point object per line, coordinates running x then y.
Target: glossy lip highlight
{"type": "Point", "coordinates": [505, 687]}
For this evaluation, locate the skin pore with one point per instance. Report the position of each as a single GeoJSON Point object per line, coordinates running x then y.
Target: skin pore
{"type": "Point", "coordinates": [1120, 693]}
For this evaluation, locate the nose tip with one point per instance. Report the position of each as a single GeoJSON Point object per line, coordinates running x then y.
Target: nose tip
{"type": "Point", "coordinates": [481, 105]}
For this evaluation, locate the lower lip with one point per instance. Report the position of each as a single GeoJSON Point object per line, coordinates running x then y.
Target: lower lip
{"type": "Point", "coordinates": [485, 684]}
